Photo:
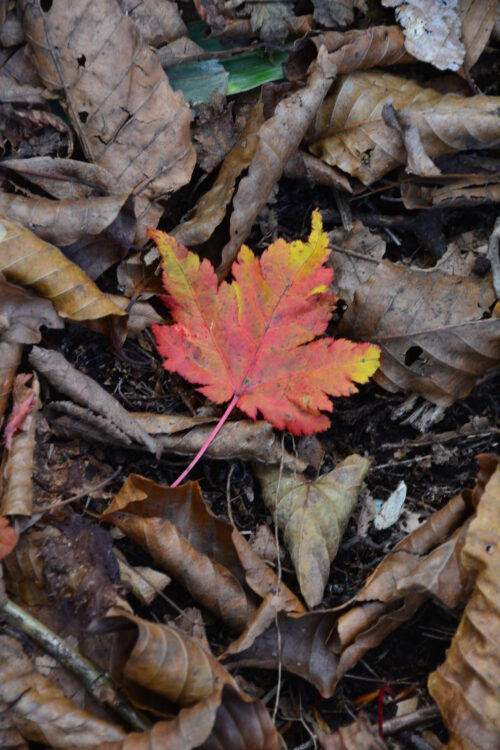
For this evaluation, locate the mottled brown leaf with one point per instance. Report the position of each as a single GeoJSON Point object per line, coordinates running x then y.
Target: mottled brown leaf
{"type": "Point", "coordinates": [360, 735]}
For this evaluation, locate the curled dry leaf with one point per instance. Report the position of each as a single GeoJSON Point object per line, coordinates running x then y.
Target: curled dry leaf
{"type": "Point", "coordinates": [349, 131]}
{"type": "Point", "coordinates": [24, 567]}
{"type": "Point", "coordinates": [279, 137]}
{"type": "Point", "coordinates": [360, 735]}
{"type": "Point", "coordinates": [228, 720]}
{"type": "Point", "coordinates": [377, 46]}
{"type": "Point", "coordinates": [205, 554]}
{"type": "Point", "coordinates": [244, 439]}
{"type": "Point", "coordinates": [159, 666]}
{"type": "Point", "coordinates": [466, 686]}
{"type": "Point", "coordinates": [88, 393]}
{"type": "Point", "coordinates": [29, 260]}
{"type": "Point", "coordinates": [313, 516]}
{"type": "Point", "coordinates": [10, 359]}
{"type": "Point", "coordinates": [17, 484]}
{"type": "Point", "coordinates": [145, 583]}
{"type": "Point", "coordinates": [40, 710]}
{"type": "Point", "coordinates": [322, 646]}
{"type": "Point", "coordinates": [62, 222]}
{"type": "Point", "coordinates": [432, 328]}
{"type": "Point", "coordinates": [157, 22]}
{"type": "Point", "coordinates": [64, 178]}
{"type": "Point", "coordinates": [478, 22]}
{"type": "Point", "coordinates": [466, 191]}
{"type": "Point", "coordinates": [126, 115]}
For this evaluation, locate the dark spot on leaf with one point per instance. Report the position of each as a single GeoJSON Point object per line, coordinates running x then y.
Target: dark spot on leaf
{"type": "Point", "coordinates": [83, 116]}
{"type": "Point", "coordinates": [81, 61]}
{"type": "Point", "coordinates": [46, 5]}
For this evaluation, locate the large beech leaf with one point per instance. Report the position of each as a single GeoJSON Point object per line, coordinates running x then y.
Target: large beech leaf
{"type": "Point", "coordinates": [252, 340]}
{"type": "Point", "coordinates": [313, 517]}
{"type": "Point", "coordinates": [466, 686]}
{"type": "Point", "coordinates": [205, 554]}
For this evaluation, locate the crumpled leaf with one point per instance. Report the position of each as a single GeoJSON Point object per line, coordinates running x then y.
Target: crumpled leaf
{"type": "Point", "coordinates": [213, 561]}
{"type": "Point", "coordinates": [40, 710]}
{"type": "Point", "coordinates": [271, 20]}
{"type": "Point", "coordinates": [246, 341]}
{"type": "Point", "coordinates": [62, 222]}
{"type": "Point", "coordinates": [466, 686]}
{"type": "Point", "coordinates": [143, 582]}
{"type": "Point", "coordinates": [355, 255]}
{"type": "Point", "coordinates": [10, 359]}
{"type": "Point", "coordinates": [313, 516]}
{"type": "Point", "coordinates": [221, 721]}
{"type": "Point", "coordinates": [89, 393]}
{"type": "Point", "coordinates": [8, 538]}
{"type": "Point", "coordinates": [377, 46]}
{"type": "Point", "coordinates": [22, 314]}
{"type": "Point", "coordinates": [349, 131]}
{"type": "Point", "coordinates": [322, 646]}
{"type": "Point", "coordinates": [15, 481]}
{"type": "Point", "coordinates": [360, 735]}
{"type": "Point", "coordinates": [279, 137]}
{"type": "Point", "coordinates": [29, 260]}
{"type": "Point", "coordinates": [126, 115]}
{"type": "Point", "coordinates": [435, 338]}
{"type": "Point", "coordinates": [10, 737]}
{"type": "Point", "coordinates": [158, 22]}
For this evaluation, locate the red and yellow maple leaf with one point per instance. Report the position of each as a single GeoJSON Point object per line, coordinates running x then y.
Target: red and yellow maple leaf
{"type": "Point", "coordinates": [252, 341]}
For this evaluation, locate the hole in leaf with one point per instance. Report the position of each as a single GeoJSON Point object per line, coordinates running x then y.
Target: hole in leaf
{"type": "Point", "coordinates": [83, 116]}
{"type": "Point", "coordinates": [489, 548]}
{"type": "Point", "coordinates": [412, 354]}
{"type": "Point", "coordinates": [81, 61]}
{"type": "Point", "coordinates": [46, 5]}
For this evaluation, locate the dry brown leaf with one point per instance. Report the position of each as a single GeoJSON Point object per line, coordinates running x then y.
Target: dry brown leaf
{"type": "Point", "coordinates": [24, 566]}
{"type": "Point", "coordinates": [433, 31]}
{"type": "Point", "coordinates": [158, 666]}
{"type": "Point", "coordinates": [478, 21]}
{"type": "Point", "coordinates": [417, 160]}
{"type": "Point", "coordinates": [313, 516]}
{"type": "Point", "coordinates": [10, 737]}
{"type": "Point", "coordinates": [87, 392]}
{"type": "Point", "coordinates": [16, 482]}
{"type": "Point", "coordinates": [349, 131]}
{"type": "Point", "coordinates": [322, 646]}
{"type": "Point", "coordinates": [466, 686]}
{"type": "Point", "coordinates": [360, 735]}
{"type": "Point", "coordinates": [158, 21]}
{"type": "Point", "coordinates": [126, 115]}
{"type": "Point", "coordinates": [225, 721]}
{"type": "Point", "coordinates": [205, 554]}
{"type": "Point", "coordinates": [10, 358]}
{"type": "Point", "coordinates": [245, 439]}
{"type": "Point", "coordinates": [10, 91]}
{"type": "Point", "coordinates": [377, 46]}
{"type": "Point", "coordinates": [431, 327]}
{"type": "Point", "coordinates": [210, 210]}
{"type": "Point", "coordinates": [62, 222]}
{"type": "Point", "coordinates": [30, 261]}
{"type": "Point", "coordinates": [40, 710]}
{"type": "Point", "coordinates": [334, 13]}
{"type": "Point", "coordinates": [278, 138]}
{"type": "Point", "coordinates": [465, 191]}
{"type": "Point", "coordinates": [145, 583]}
{"type": "Point", "coordinates": [64, 178]}
{"type": "Point", "coordinates": [355, 255]}
{"type": "Point", "coordinates": [304, 166]}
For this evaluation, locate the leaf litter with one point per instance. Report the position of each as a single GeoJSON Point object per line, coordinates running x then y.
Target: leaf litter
{"type": "Point", "coordinates": [262, 603]}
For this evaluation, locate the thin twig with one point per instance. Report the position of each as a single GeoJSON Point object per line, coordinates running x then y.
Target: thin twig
{"type": "Point", "coordinates": [96, 682]}
{"type": "Point", "coordinates": [278, 574]}
{"type": "Point", "coordinates": [415, 719]}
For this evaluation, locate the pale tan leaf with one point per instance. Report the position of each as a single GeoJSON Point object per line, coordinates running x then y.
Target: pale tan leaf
{"type": "Point", "coordinates": [354, 258]}
{"type": "Point", "coordinates": [349, 131]}
{"type": "Point", "coordinates": [128, 118]}
{"type": "Point", "coordinates": [26, 259]}
{"type": "Point", "coordinates": [10, 358]}
{"type": "Point", "coordinates": [64, 178]}
{"type": "Point", "coordinates": [334, 13]}
{"type": "Point", "coordinates": [158, 21]}
{"type": "Point", "coordinates": [360, 735]}
{"type": "Point", "coordinates": [39, 709]}
{"type": "Point", "coordinates": [313, 516]}
{"type": "Point", "coordinates": [478, 20]}
{"type": "Point", "coordinates": [144, 582]}
{"type": "Point", "coordinates": [466, 686]}
{"type": "Point", "coordinates": [10, 737]}
{"type": "Point", "coordinates": [435, 338]}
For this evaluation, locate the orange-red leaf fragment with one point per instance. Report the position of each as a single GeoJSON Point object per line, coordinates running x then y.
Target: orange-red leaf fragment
{"type": "Point", "coordinates": [8, 537]}
{"type": "Point", "coordinates": [253, 339]}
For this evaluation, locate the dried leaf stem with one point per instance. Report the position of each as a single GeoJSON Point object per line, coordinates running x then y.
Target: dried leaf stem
{"type": "Point", "coordinates": [96, 682]}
